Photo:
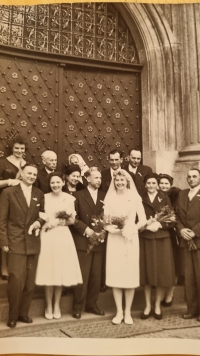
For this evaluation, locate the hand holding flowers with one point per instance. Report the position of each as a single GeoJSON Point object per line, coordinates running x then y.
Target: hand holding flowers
{"type": "Point", "coordinates": [113, 229]}
{"type": "Point", "coordinates": [62, 218]}
{"type": "Point", "coordinates": [165, 215]}
{"type": "Point", "coordinates": [96, 235]}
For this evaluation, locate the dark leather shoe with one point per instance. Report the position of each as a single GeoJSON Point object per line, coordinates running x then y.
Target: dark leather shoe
{"type": "Point", "coordinates": [145, 316]}
{"type": "Point", "coordinates": [25, 319]}
{"type": "Point", "coordinates": [11, 323]}
{"type": "Point", "coordinates": [158, 316]}
{"type": "Point", "coordinates": [188, 316]}
{"type": "Point", "coordinates": [76, 314]}
{"type": "Point", "coordinates": [166, 304]}
{"type": "Point", "coordinates": [95, 311]}
{"type": "Point", "coordinates": [4, 277]}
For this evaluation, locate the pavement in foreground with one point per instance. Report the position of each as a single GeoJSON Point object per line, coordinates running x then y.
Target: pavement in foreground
{"type": "Point", "coordinates": [44, 328]}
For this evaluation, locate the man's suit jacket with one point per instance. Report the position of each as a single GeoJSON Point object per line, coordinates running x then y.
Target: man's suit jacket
{"type": "Point", "coordinates": [16, 218]}
{"type": "Point", "coordinates": [105, 180]}
{"type": "Point", "coordinates": [85, 208]}
{"type": "Point", "coordinates": [42, 181]}
{"type": "Point", "coordinates": [138, 178]}
{"type": "Point", "coordinates": [161, 200]}
{"type": "Point", "coordinates": [188, 215]}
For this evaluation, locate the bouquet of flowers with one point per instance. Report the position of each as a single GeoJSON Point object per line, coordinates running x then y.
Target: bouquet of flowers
{"type": "Point", "coordinates": [60, 218]}
{"type": "Point", "coordinates": [166, 214]}
{"type": "Point", "coordinates": [63, 215]}
{"type": "Point", "coordinates": [118, 221]}
{"type": "Point", "coordinates": [99, 234]}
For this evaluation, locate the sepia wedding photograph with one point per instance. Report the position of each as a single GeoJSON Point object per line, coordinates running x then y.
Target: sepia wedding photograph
{"type": "Point", "coordinates": [100, 177]}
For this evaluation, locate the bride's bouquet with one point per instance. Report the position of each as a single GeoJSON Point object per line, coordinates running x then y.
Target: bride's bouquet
{"type": "Point", "coordinates": [117, 221]}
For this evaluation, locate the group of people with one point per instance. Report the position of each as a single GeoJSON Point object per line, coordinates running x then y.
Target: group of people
{"type": "Point", "coordinates": [48, 234]}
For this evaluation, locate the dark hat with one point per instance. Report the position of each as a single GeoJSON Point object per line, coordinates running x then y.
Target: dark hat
{"type": "Point", "coordinates": [151, 175]}
{"type": "Point", "coordinates": [166, 176]}
{"type": "Point", "coordinates": [72, 168]}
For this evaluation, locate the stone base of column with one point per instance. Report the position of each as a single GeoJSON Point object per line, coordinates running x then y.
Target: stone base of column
{"type": "Point", "coordinates": [160, 161]}
{"type": "Point", "coordinates": [188, 158]}
{"type": "Point", "coordinates": [189, 154]}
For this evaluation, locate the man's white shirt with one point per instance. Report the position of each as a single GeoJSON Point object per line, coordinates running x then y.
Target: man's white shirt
{"type": "Point", "coordinates": [93, 194]}
{"type": "Point", "coordinates": [193, 192]}
{"type": "Point", "coordinates": [131, 169]}
{"type": "Point", "coordinates": [27, 192]}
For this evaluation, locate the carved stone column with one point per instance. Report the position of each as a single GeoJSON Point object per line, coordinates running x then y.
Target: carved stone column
{"type": "Point", "coordinates": [189, 155]}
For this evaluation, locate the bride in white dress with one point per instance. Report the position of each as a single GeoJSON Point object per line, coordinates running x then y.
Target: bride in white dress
{"type": "Point", "coordinates": [122, 256]}
{"type": "Point", "coordinates": [58, 263]}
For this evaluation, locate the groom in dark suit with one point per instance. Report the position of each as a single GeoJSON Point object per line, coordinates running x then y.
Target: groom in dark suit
{"type": "Point", "coordinates": [188, 226]}
{"type": "Point", "coordinates": [19, 237]}
{"type": "Point", "coordinates": [88, 202]}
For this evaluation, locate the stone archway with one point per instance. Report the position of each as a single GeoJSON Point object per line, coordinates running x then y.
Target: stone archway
{"type": "Point", "coordinates": [159, 53]}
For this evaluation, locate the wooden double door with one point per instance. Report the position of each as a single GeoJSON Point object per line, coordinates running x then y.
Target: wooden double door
{"type": "Point", "coordinates": [69, 108]}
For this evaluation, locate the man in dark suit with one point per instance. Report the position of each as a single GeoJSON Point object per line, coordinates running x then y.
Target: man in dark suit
{"type": "Point", "coordinates": [115, 161]}
{"type": "Point", "coordinates": [20, 206]}
{"type": "Point", "coordinates": [88, 202]}
{"type": "Point", "coordinates": [188, 227]}
{"type": "Point", "coordinates": [49, 159]}
{"type": "Point", "coordinates": [137, 170]}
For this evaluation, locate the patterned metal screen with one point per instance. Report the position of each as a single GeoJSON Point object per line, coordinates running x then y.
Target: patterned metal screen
{"type": "Point", "coordinates": [88, 30]}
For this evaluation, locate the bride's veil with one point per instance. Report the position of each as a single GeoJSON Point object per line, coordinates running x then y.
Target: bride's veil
{"type": "Point", "coordinates": [131, 187]}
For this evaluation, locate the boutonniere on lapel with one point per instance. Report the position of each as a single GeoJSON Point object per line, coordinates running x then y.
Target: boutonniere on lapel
{"type": "Point", "coordinates": [35, 199]}
{"type": "Point", "coordinates": [159, 199]}
{"type": "Point", "coordinates": [140, 174]}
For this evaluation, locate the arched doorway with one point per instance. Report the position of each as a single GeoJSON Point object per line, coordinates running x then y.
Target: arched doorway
{"type": "Point", "coordinates": [71, 80]}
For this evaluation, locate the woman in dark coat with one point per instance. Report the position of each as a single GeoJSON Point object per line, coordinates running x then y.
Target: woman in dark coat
{"type": "Point", "coordinates": [72, 179]}
{"type": "Point", "coordinates": [156, 255]}
{"type": "Point", "coordinates": [165, 185]}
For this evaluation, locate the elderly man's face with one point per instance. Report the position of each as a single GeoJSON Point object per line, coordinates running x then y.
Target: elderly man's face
{"type": "Point", "coordinates": [193, 178]}
{"type": "Point", "coordinates": [51, 162]}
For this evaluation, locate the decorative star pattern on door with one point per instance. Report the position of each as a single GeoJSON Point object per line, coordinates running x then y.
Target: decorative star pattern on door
{"type": "Point", "coordinates": [69, 109]}
{"type": "Point", "coordinates": [101, 111]}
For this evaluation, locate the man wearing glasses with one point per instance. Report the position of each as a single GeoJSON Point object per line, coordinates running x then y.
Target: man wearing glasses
{"type": "Point", "coordinates": [89, 202]}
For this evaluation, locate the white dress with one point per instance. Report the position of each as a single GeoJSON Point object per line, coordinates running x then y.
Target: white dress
{"type": "Point", "coordinates": [122, 256]}
{"type": "Point", "coordinates": [58, 263]}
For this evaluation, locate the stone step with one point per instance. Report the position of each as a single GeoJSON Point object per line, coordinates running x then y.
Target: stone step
{"type": "Point", "coordinates": [105, 302]}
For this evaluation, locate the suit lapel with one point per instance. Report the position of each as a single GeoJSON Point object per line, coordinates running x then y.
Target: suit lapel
{"type": "Point", "coordinates": [99, 203]}
{"type": "Point", "coordinates": [89, 200]}
{"type": "Point", "coordinates": [157, 201]}
{"type": "Point", "coordinates": [43, 175]}
{"type": "Point", "coordinates": [146, 201]}
{"type": "Point", "coordinates": [33, 203]}
{"type": "Point", "coordinates": [21, 198]}
{"type": "Point", "coordinates": [184, 200]}
{"type": "Point", "coordinates": [139, 171]}
{"type": "Point", "coordinates": [194, 199]}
